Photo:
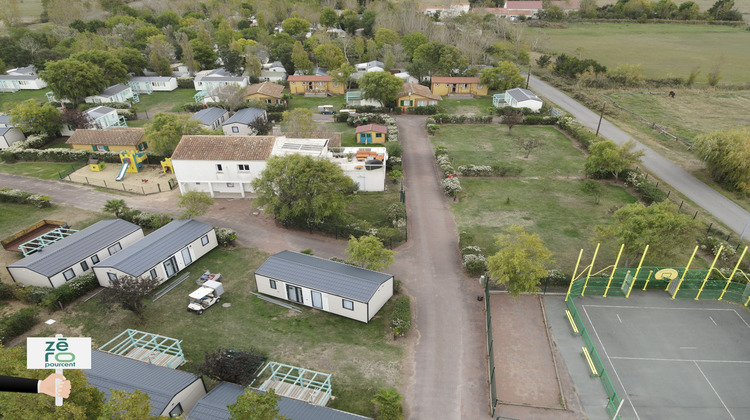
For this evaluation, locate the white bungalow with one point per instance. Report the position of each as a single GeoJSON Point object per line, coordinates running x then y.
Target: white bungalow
{"type": "Point", "coordinates": [68, 258]}
{"type": "Point", "coordinates": [21, 78]}
{"type": "Point", "coordinates": [103, 117]}
{"type": "Point", "coordinates": [149, 84]}
{"type": "Point", "coordinates": [240, 124]}
{"type": "Point", "coordinates": [118, 93]}
{"type": "Point", "coordinates": [162, 254]}
{"type": "Point", "coordinates": [520, 98]}
{"type": "Point", "coordinates": [370, 66]}
{"type": "Point", "coordinates": [211, 80]}
{"type": "Point", "coordinates": [330, 286]}
{"type": "Point", "coordinates": [211, 118]}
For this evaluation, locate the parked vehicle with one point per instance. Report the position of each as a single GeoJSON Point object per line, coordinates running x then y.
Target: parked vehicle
{"type": "Point", "coordinates": [326, 109]}
{"type": "Point", "coordinates": [205, 296]}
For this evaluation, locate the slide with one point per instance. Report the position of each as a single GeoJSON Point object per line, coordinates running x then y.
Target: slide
{"type": "Point", "coordinates": [124, 168]}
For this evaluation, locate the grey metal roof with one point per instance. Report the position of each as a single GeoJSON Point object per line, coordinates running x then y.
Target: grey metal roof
{"type": "Point", "coordinates": [30, 69]}
{"type": "Point", "coordinates": [109, 371]}
{"type": "Point", "coordinates": [18, 77]}
{"type": "Point", "coordinates": [156, 247]}
{"type": "Point", "coordinates": [324, 275]}
{"type": "Point", "coordinates": [151, 78]}
{"type": "Point", "coordinates": [245, 116]}
{"type": "Point", "coordinates": [4, 130]}
{"type": "Point", "coordinates": [276, 64]}
{"type": "Point", "coordinates": [213, 406]}
{"type": "Point", "coordinates": [74, 248]}
{"type": "Point", "coordinates": [220, 74]}
{"type": "Point", "coordinates": [114, 90]}
{"type": "Point", "coordinates": [521, 94]}
{"type": "Point", "coordinates": [208, 116]}
{"type": "Point", "coordinates": [5, 119]}
{"type": "Point", "coordinates": [99, 111]}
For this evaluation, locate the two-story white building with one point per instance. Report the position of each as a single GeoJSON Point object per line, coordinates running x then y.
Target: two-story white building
{"type": "Point", "coordinates": [212, 80]}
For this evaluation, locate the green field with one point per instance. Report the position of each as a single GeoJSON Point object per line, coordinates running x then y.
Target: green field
{"type": "Point", "coordinates": [9, 100]}
{"type": "Point", "coordinates": [165, 101]}
{"type": "Point", "coordinates": [664, 50]}
{"type": "Point", "coordinates": [299, 101]}
{"type": "Point", "coordinates": [42, 170]}
{"type": "Point", "coordinates": [478, 106]}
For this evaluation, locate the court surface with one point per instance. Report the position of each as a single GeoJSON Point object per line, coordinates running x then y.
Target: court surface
{"type": "Point", "coordinates": [673, 359]}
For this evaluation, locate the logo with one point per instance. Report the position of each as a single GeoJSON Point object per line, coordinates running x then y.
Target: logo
{"type": "Point", "coordinates": [58, 353]}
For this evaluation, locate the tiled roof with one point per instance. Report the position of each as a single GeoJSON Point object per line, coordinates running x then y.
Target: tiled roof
{"type": "Point", "coordinates": [245, 116]}
{"type": "Point", "coordinates": [224, 148]}
{"type": "Point", "coordinates": [455, 80]}
{"type": "Point", "coordinates": [266, 88]}
{"type": "Point", "coordinates": [112, 137]}
{"type": "Point", "coordinates": [209, 115]}
{"type": "Point", "coordinates": [371, 127]}
{"type": "Point", "coordinates": [309, 78]}
{"type": "Point", "coordinates": [417, 89]}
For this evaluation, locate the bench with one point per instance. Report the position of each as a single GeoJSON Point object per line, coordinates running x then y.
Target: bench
{"type": "Point", "coordinates": [587, 355]}
{"type": "Point", "coordinates": [572, 322]}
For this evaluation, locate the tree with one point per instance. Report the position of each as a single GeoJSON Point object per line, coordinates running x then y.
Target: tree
{"type": "Point", "coordinates": [256, 405]}
{"type": "Point", "coordinates": [295, 26]}
{"type": "Point", "coordinates": [727, 156]}
{"type": "Point", "coordinates": [328, 17]}
{"type": "Point", "coordinates": [233, 366]}
{"type": "Point", "coordinates": [521, 262]}
{"type": "Point", "coordinates": [301, 190]}
{"type": "Point", "coordinates": [512, 117]}
{"type": "Point", "coordinates": [368, 252]}
{"type": "Point", "coordinates": [510, 75]}
{"type": "Point", "coordinates": [349, 21]}
{"type": "Point", "coordinates": [591, 187]}
{"type": "Point", "coordinates": [387, 403]}
{"type": "Point", "coordinates": [713, 77]}
{"type": "Point", "coordinates": [10, 13]}
{"type": "Point", "coordinates": [343, 74]}
{"type": "Point", "coordinates": [381, 86]}
{"type": "Point", "coordinates": [253, 66]}
{"type": "Point", "coordinates": [127, 405]}
{"type": "Point", "coordinates": [588, 9]}
{"type": "Point", "coordinates": [116, 207]}
{"type": "Point", "coordinates": [75, 118]}
{"type": "Point", "coordinates": [385, 36]}
{"type": "Point", "coordinates": [543, 61]}
{"type": "Point", "coordinates": [529, 144]}
{"type": "Point", "coordinates": [412, 41]}
{"type": "Point", "coordinates": [128, 292]}
{"type": "Point", "coordinates": [262, 126]}
{"type": "Point", "coordinates": [73, 79]}
{"type": "Point", "coordinates": [724, 10]}
{"type": "Point", "coordinates": [31, 117]}
{"type": "Point", "coordinates": [329, 56]}
{"type": "Point", "coordinates": [371, 50]}
{"type": "Point", "coordinates": [204, 54]}
{"type": "Point", "coordinates": [194, 204]}
{"type": "Point", "coordinates": [300, 59]}
{"type": "Point", "coordinates": [133, 60]}
{"type": "Point", "coordinates": [113, 69]}
{"type": "Point", "coordinates": [607, 158]}
{"type": "Point", "coordinates": [232, 61]}
{"type": "Point", "coordinates": [166, 130]}
{"type": "Point", "coordinates": [188, 55]}
{"type": "Point", "coordinates": [231, 97]}
{"type": "Point", "coordinates": [660, 226]}
{"type": "Point", "coordinates": [298, 122]}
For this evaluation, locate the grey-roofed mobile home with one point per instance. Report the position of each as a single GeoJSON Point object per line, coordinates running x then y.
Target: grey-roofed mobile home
{"type": "Point", "coordinates": [172, 392]}
{"type": "Point", "coordinates": [239, 123]}
{"type": "Point", "coordinates": [76, 254]}
{"type": "Point", "coordinates": [327, 285]}
{"type": "Point", "coordinates": [213, 406]}
{"type": "Point", "coordinates": [211, 118]}
{"type": "Point", "coordinates": [162, 254]}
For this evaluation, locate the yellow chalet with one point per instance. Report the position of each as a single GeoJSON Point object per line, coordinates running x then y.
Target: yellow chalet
{"type": "Point", "coordinates": [371, 133]}
{"type": "Point", "coordinates": [458, 86]}
{"type": "Point", "coordinates": [415, 94]}
{"type": "Point", "coordinates": [266, 92]}
{"type": "Point", "coordinates": [112, 140]}
{"type": "Point", "coordinates": [315, 84]}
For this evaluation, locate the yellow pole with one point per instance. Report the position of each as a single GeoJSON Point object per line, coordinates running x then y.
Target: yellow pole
{"type": "Point", "coordinates": [596, 251]}
{"type": "Point", "coordinates": [636, 272]}
{"type": "Point", "coordinates": [611, 276]}
{"type": "Point", "coordinates": [729, 280]}
{"type": "Point", "coordinates": [575, 272]}
{"type": "Point", "coordinates": [684, 273]}
{"type": "Point", "coordinates": [721, 248]}
{"type": "Point", "coordinates": [648, 279]}
{"type": "Point", "coordinates": [747, 301]}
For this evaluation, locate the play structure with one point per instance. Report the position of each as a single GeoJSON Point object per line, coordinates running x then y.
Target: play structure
{"type": "Point", "coordinates": [166, 165]}
{"type": "Point", "coordinates": [132, 161]}
{"type": "Point", "coordinates": [96, 165]}
{"type": "Point", "coordinates": [678, 282]}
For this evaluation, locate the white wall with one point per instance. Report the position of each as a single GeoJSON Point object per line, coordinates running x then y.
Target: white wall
{"type": "Point", "coordinates": [187, 398]}
{"type": "Point", "coordinates": [11, 136]}
{"type": "Point", "coordinates": [242, 130]}
{"type": "Point", "coordinates": [368, 180]}
{"type": "Point", "coordinates": [385, 291]}
{"type": "Point", "coordinates": [203, 175]}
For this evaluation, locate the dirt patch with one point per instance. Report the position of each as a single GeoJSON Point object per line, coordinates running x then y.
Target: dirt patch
{"type": "Point", "coordinates": [149, 180]}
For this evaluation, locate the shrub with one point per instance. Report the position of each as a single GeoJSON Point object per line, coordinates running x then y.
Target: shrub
{"type": "Point", "coordinates": [14, 325]}
{"type": "Point", "coordinates": [506, 169]}
{"type": "Point", "coordinates": [10, 195]}
{"type": "Point", "coordinates": [441, 150]}
{"type": "Point", "coordinates": [274, 107]}
{"type": "Point", "coordinates": [69, 292]}
{"type": "Point", "coordinates": [6, 291]}
{"type": "Point", "coordinates": [185, 83]}
{"type": "Point", "coordinates": [451, 186]}
{"type": "Point", "coordinates": [234, 366]}
{"type": "Point", "coordinates": [474, 263]}
{"type": "Point", "coordinates": [192, 107]}
{"type": "Point", "coordinates": [444, 162]}
{"type": "Point", "coordinates": [225, 236]}
{"type": "Point", "coordinates": [539, 120]}
{"type": "Point", "coordinates": [388, 405]}
{"type": "Point", "coordinates": [275, 116]}
{"type": "Point", "coordinates": [394, 149]}
{"type": "Point", "coordinates": [423, 110]}
{"type": "Point", "coordinates": [432, 129]}
{"type": "Point", "coordinates": [396, 211]}
{"type": "Point", "coordinates": [461, 119]}
{"type": "Point", "coordinates": [577, 131]}
{"type": "Point", "coordinates": [370, 109]}
{"type": "Point", "coordinates": [475, 170]}
{"type": "Point", "coordinates": [342, 117]}
{"type": "Point", "coordinates": [401, 316]}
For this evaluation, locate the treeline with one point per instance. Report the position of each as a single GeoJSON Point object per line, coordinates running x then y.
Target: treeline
{"type": "Point", "coordinates": [642, 10]}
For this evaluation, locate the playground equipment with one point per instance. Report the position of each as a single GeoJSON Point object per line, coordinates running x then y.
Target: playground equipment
{"type": "Point", "coordinates": [132, 161]}
{"type": "Point", "coordinates": [96, 165]}
{"type": "Point", "coordinates": [166, 164]}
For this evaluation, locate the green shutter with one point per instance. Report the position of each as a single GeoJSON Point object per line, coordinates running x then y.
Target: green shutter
{"type": "Point", "coordinates": [93, 147]}
{"type": "Point", "coordinates": [106, 148]}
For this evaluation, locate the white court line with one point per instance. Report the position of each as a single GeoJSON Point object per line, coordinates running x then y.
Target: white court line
{"type": "Point", "coordinates": [610, 363]}
{"type": "Point", "coordinates": [688, 348]}
{"type": "Point", "coordinates": [649, 359]}
{"type": "Point", "coordinates": [618, 318]}
{"type": "Point", "coordinates": [657, 307]}
{"type": "Point", "coordinates": [717, 394]}
{"type": "Point", "coordinates": [712, 320]}
{"type": "Point", "coordinates": [743, 319]}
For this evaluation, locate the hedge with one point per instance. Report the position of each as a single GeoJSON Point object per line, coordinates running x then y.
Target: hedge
{"type": "Point", "coordinates": [401, 316]}
{"type": "Point", "coordinates": [423, 110]}
{"type": "Point", "coordinates": [14, 325]}
{"type": "Point", "coordinates": [29, 151]}
{"type": "Point", "coordinates": [52, 298]}
{"type": "Point", "coordinates": [225, 236]}
{"type": "Point", "coordinates": [585, 137]}
{"type": "Point", "coordinates": [459, 119]}
{"type": "Point", "coordinates": [9, 195]}
{"type": "Point", "coordinates": [185, 83]}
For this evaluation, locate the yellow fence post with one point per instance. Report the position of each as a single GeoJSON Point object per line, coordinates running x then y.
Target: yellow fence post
{"type": "Point", "coordinates": [648, 279]}
{"type": "Point", "coordinates": [611, 276]}
{"type": "Point", "coordinates": [596, 251]}
{"type": "Point", "coordinates": [716, 258]}
{"type": "Point", "coordinates": [729, 280]}
{"type": "Point", "coordinates": [638, 270]}
{"type": "Point", "coordinates": [575, 271]}
{"type": "Point", "coordinates": [684, 273]}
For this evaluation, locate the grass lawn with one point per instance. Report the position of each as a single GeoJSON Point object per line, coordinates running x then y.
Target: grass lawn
{"type": "Point", "coordinates": [361, 357]}
{"type": "Point", "coordinates": [42, 170]}
{"type": "Point", "coordinates": [17, 217]}
{"type": "Point", "coordinates": [545, 199]}
{"type": "Point", "coordinates": [664, 50]}
{"type": "Point", "coordinates": [477, 106]}
{"type": "Point", "coordinates": [58, 143]}
{"type": "Point", "coordinates": [372, 206]}
{"type": "Point", "coordinates": [138, 123]}
{"type": "Point", "coordinates": [348, 137]}
{"type": "Point", "coordinates": [165, 101]}
{"type": "Point", "coordinates": [9, 100]}
{"type": "Point", "coordinates": [299, 101]}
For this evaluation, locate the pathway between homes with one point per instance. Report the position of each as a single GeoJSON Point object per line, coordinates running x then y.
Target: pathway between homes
{"type": "Point", "coordinates": [722, 208]}
{"type": "Point", "coordinates": [446, 373]}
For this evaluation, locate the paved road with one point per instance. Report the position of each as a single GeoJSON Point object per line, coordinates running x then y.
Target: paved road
{"type": "Point", "coordinates": [722, 208]}
{"type": "Point", "coordinates": [447, 376]}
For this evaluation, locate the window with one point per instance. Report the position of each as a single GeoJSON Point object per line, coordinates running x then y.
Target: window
{"type": "Point", "coordinates": [235, 129]}
{"type": "Point", "coordinates": [230, 184]}
{"type": "Point", "coordinates": [268, 101]}
{"type": "Point", "coordinates": [335, 84]}
{"type": "Point", "coordinates": [378, 135]}
{"type": "Point", "coordinates": [176, 411]}
{"type": "Point", "coordinates": [421, 103]}
{"type": "Point", "coordinates": [348, 304]}
{"type": "Point", "coordinates": [84, 266]}
{"type": "Point", "coordinates": [437, 84]}
{"type": "Point", "coordinates": [219, 168]}
{"type": "Point", "coordinates": [465, 85]}
{"type": "Point", "coordinates": [244, 166]}
{"type": "Point", "coordinates": [101, 148]}
{"type": "Point", "coordinates": [114, 248]}
{"type": "Point", "coordinates": [69, 274]}
{"type": "Point", "coordinates": [204, 240]}
{"type": "Point", "coordinates": [112, 276]}
{"type": "Point", "coordinates": [479, 86]}
{"type": "Point", "coordinates": [273, 283]}
{"type": "Point", "coordinates": [95, 259]}
{"type": "Point", "coordinates": [152, 273]}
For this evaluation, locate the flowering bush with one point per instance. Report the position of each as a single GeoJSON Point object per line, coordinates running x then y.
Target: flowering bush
{"type": "Point", "coordinates": [444, 162]}
{"type": "Point", "coordinates": [471, 250]}
{"type": "Point", "coordinates": [474, 263]}
{"type": "Point", "coordinates": [451, 186]}
{"type": "Point", "coordinates": [9, 195]}
{"type": "Point", "coordinates": [475, 170]}
{"type": "Point", "coordinates": [225, 236]}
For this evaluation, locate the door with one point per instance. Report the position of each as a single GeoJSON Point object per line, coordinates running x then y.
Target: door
{"type": "Point", "coordinates": [294, 293]}
{"type": "Point", "coordinates": [186, 258]}
{"type": "Point", "coordinates": [453, 89]}
{"type": "Point", "coordinates": [317, 299]}
{"type": "Point", "coordinates": [367, 138]}
{"type": "Point", "coordinates": [170, 266]}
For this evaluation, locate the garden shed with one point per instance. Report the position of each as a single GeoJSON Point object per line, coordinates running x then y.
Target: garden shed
{"type": "Point", "coordinates": [330, 286]}
{"type": "Point", "coordinates": [64, 260]}
{"type": "Point", "coordinates": [371, 133]}
{"type": "Point", "coordinates": [162, 254]}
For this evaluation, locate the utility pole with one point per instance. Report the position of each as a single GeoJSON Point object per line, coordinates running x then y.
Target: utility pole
{"type": "Point", "coordinates": [528, 76]}
{"type": "Point", "coordinates": [600, 119]}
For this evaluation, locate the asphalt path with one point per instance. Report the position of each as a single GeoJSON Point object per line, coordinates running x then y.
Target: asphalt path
{"type": "Point", "coordinates": [713, 202]}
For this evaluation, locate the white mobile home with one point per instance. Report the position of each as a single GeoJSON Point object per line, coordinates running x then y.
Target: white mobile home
{"type": "Point", "coordinates": [211, 118]}
{"type": "Point", "coordinates": [8, 133]}
{"type": "Point", "coordinates": [240, 124]}
{"type": "Point", "coordinates": [116, 93]}
{"type": "Point", "coordinates": [342, 289]}
{"type": "Point", "coordinates": [22, 78]}
{"type": "Point", "coordinates": [149, 84]}
{"type": "Point", "coordinates": [76, 254]}
{"type": "Point", "coordinates": [162, 254]}
{"type": "Point", "coordinates": [523, 98]}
